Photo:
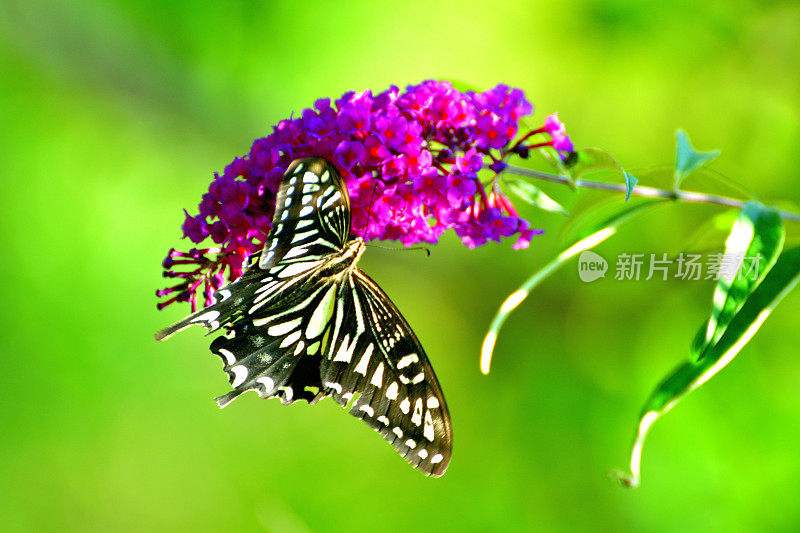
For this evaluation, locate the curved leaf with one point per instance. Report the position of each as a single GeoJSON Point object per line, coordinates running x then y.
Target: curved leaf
{"type": "Point", "coordinates": [780, 279]}
{"type": "Point", "coordinates": [757, 236]}
{"type": "Point", "coordinates": [533, 195]}
{"type": "Point", "coordinates": [591, 238]}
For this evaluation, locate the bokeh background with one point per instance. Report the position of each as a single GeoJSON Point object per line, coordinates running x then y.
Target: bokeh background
{"type": "Point", "coordinates": [115, 114]}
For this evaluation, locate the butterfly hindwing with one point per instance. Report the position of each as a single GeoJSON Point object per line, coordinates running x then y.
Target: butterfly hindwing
{"type": "Point", "coordinates": [274, 349]}
{"type": "Point", "coordinates": [312, 215]}
{"type": "Point", "coordinates": [374, 362]}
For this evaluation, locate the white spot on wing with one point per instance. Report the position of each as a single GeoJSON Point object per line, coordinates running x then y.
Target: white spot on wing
{"type": "Point", "coordinates": [282, 329]}
{"type": "Point", "coordinates": [433, 402]}
{"type": "Point", "coordinates": [397, 431]}
{"type": "Point", "coordinates": [288, 341]}
{"type": "Point", "coordinates": [345, 352]}
{"type": "Point", "coordinates": [377, 377]}
{"type": "Point", "coordinates": [298, 268]}
{"type": "Point", "coordinates": [411, 444]}
{"type": "Point", "coordinates": [210, 317]}
{"type": "Point", "coordinates": [333, 199]}
{"type": "Point", "coordinates": [294, 252]}
{"type": "Point", "coordinates": [423, 453]}
{"type": "Point", "coordinates": [334, 386]}
{"type": "Point", "coordinates": [437, 458]}
{"type": "Point", "coordinates": [268, 383]}
{"type": "Point", "coordinates": [240, 375]}
{"type": "Point", "coordinates": [361, 368]}
{"type": "Point", "coordinates": [229, 357]}
{"type": "Point", "coordinates": [367, 409]}
{"type": "Point", "coordinates": [416, 418]}
{"type": "Point", "coordinates": [407, 360]}
{"type": "Point", "coordinates": [405, 406]}
{"type": "Point", "coordinates": [428, 430]}
{"type": "Point", "coordinates": [391, 391]}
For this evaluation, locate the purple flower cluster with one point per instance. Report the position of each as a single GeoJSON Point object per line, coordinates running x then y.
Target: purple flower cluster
{"type": "Point", "coordinates": [411, 160]}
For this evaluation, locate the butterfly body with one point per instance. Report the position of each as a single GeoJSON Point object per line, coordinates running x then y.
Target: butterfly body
{"type": "Point", "coordinates": [303, 322]}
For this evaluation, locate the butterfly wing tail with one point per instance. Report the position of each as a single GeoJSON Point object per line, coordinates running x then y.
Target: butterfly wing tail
{"type": "Point", "coordinates": [208, 317]}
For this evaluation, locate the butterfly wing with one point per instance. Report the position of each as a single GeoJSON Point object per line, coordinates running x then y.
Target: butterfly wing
{"type": "Point", "coordinates": [312, 215]}
{"type": "Point", "coordinates": [373, 361]}
{"type": "Point", "coordinates": [274, 350]}
{"type": "Point", "coordinates": [311, 222]}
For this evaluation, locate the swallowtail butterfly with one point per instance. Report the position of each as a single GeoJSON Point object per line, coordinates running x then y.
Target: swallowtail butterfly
{"type": "Point", "coordinates": [303, 322]}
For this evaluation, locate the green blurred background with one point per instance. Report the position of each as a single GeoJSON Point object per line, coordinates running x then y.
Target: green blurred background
{"type": "Point", "coordinates": [114, 116]}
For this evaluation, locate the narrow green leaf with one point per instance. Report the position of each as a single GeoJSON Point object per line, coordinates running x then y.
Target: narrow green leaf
{"type": "Point", "coordinates": [630, 183]}
{"type": "Point", "coordinates": [687, 159]}
{"type": "Point", "coordinates": [533, 195]}
{"type": "Point", "coordinates": [598, 234]}
{"type": "Point", "coordinates": [780, 280]}
{"type": "Point", "coordinates": [752, 247]}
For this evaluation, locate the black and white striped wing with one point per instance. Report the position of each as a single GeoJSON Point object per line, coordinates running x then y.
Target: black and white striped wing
{"type": "Point", "coordinates": [374, 362]}
{"type": "Point", "coordinates": [311, 222]}
{"type": "Point", "coordinates": [275, 349]}
{"type": "Point", "coordinates": [312, 215]}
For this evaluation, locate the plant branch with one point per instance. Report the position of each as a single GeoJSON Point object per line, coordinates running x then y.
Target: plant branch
{"type": "Point", "coordinates": [642, 190]}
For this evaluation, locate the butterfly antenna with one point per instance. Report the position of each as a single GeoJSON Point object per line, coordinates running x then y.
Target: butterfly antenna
{"type": "Point", "coordinates": [412, 249]}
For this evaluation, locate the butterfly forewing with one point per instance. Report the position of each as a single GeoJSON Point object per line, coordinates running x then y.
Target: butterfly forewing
{"type": "Point", "coordinates": [374, 363]}
{"type": "Point", "coordinates": [312, 215]}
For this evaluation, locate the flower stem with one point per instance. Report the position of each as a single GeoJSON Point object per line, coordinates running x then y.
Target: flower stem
{"type": "Point", "coordinates": [643, 190]}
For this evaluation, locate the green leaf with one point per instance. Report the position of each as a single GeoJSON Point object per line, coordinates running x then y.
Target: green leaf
{"type": "Point", "coordinates": [687, 159]}
{"type": "Point", "coordinates": [756, 237]}
{"type": "Point", "coordinates": [597, 234]}
{"type": "Point", "coordinates": [533, 195]}
{"type": "Point", "coordinates": [630, 183]}
{"type": "Point", "coordinates": [775, 283]}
